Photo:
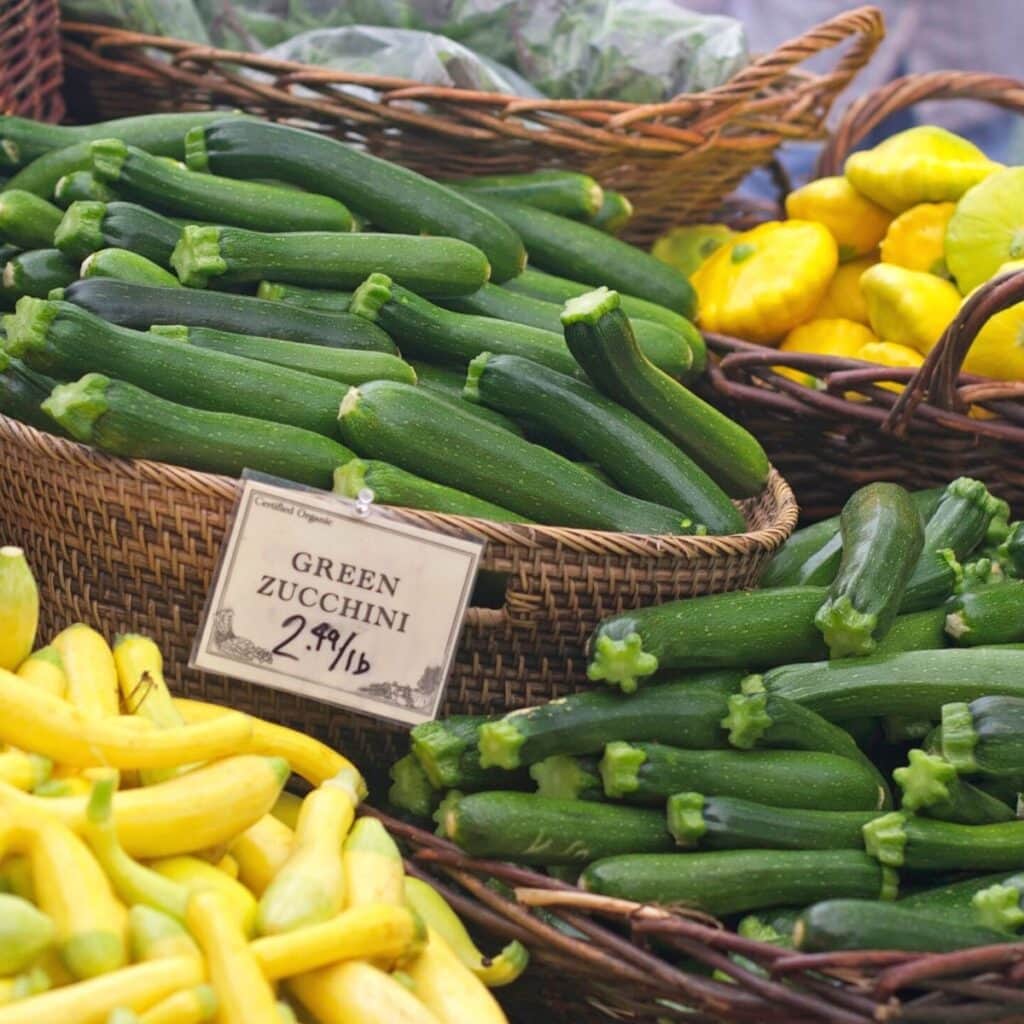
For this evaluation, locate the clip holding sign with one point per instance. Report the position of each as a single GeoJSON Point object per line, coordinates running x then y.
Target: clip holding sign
{"type": "Point", "coordinates": [338, 601]}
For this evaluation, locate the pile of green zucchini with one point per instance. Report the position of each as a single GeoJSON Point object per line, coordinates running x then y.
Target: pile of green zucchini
{"type": "Point", "coordinates": [225, 293]}
{"type": "Point", "coordinates": [744, 757]}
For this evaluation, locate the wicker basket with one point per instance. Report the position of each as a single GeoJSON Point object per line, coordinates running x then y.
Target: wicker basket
{"type": "Point", "coordinates": [675, 160]}
{"type": "Point", "coordinates": [628, 966]}
{"type": "Point", "coordinates": [131, 545]}
{"type": "Point", "coordinates": [828, 445]}
{"type": "Point", "coordinates": [31, 70]}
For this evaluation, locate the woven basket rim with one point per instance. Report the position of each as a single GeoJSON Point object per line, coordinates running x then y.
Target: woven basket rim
{"type": "Point", "coordinates": [596, 542]}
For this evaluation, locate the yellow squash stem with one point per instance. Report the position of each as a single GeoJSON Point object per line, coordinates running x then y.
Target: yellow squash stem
{"type": "Point", "coordinates": [244, 996]}
{"type": "Point", "coordinates": [69, 735]}
{"type": "Point", "coordinates": [433, 908]}
{"type": "Point", "coordinates": [378, 932]}
{"type": "Point", "coordinates": [203, 809]}
{"type": "Point", "coordinates": [19, 608]}
{"type": "Point", "coordinates": [310, 886]}
{"type": "Point", "coordinates": [190, 1006]}
{"type": "Point", "coordinates": [261, 851]}
{"type": "Point", "coordinates": [357, 993]}
{"type": "Point", "coordinates": [22, 986]}
{"type": "Point", "coordinates": [312, 760]}
{"type": "Point", "coordinates": [44, 670]}
{"type": "Point", "coordinates": [374, 872]}
{"type": "Point", "coordinates": [89, 667]}
{"type": "Point", "coordinates": [449, 989]}
{"type": "Point", "coordinates": [90, 1002]}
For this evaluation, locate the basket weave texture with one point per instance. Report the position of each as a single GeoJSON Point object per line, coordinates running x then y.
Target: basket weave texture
{"type": "Point", "coordinates": [676, 161]}
{"type": "Point", "coordinates": [31, 69]}
{"type": "Point", "coordinates": [828, 443]}
{"type": "Point", "coordinates": [132, 546]}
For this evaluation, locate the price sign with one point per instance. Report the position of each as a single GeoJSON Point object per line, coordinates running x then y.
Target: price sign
{"type": "Point", "coordinates": [337, 601]}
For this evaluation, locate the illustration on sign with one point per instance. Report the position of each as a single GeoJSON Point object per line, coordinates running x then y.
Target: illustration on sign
{"type": "Point", "coordinates": [363, 611]}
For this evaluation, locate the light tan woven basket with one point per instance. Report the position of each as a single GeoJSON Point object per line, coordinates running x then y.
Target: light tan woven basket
{"type": "Point", "coordinates": [131, 546]}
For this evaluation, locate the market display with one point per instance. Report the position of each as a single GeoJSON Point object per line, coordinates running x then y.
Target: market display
{"type": "Point", "coordinates": [348, 261]}
{"type": "Point", "coordinates": [889, 645]}
{"type": "Point", "coordinates": [148, 875]}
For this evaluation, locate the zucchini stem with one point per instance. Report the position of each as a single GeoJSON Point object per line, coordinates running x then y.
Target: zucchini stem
{"type": "Point", "coordinates": [621, 662]}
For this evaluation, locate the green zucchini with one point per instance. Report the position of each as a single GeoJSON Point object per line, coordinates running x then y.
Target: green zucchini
{"type": "Point", "coordinates": [139, 306]}
{"type": "Point", "coordinates": [329, 300]}
{"type": "Point", "coordinates": [558, 290]}
{"type": "Point", "coordinates": [567, 193]}
{"type": "Point", "coordinates": [954, 530]}
{"type": "Point", "coordinates": [615, 213]}
{"type": "Point", "coordinates": [79, 186]}
{"type": "Point", "coordinates": [438, 335]}
{"type": "Point", "coordinates": [640, 460]}
{"type": "Point", "coordinates": [954, 901]}
{"type": "Point", "coordinates": [532, 829]}
{"type": "Point", "coordinates": [89, 226]}
{"type": "Point", "coordinates": [22, 393]}
{"type": "Point", "coordinates": [669, 350]}
{"type": "Point", "coordinates": [179, 192]}
{"type": "Point", "coordinates": [228, 255]}
{"type": "Point", "coordinates": [736, 881]}
{"type": "Point", "coordinates": [426, 435]}
{"type": "Point", "coordinates": [26, 220]}
{"type": "Point", "coordinates": [582, 252]}
{"type": "Point", "coordinates": [728, 823]}
{"type": "Point", "coordinates": [810, 556]}
{"type": "Point", "coordinates": [565, 777]}
{"type": "Point", "coordinates": [600, 337]}
{"type": "Point", "coordinates": [345, 365]}
{"type": "Point", "coordinates": [1011, 551]}
{"type": "Point", "coordinates": [448, 384]}
{"type": "Point", "coordinates": [410, 788]}
{"type": "Point", "coordinates": [37, 272]}
{"type": "Point", "coordinates": [393, 486]}
{"type": "Point", "coordinates": [23, 140]}
{"type": "Point", "coordinates": [391, 197]}
{"type": "Point", "coordinates": [742, 629]}
{"type": "Point", "coordinates": [985, 736]}
{"type": "Point", "coordinates": [882, 540]}
{"type": "Point", "coordinates": [66, 340]}
{"type": "Point", "coordinates": [652, 772]}
{"type": "Point", "coordinates": [125, 265]}
{"type": "Point", "coordinates": [914, 684]}
{"type": "Point", "coordinates": [868, 924]}
{"type": "Point", "coordinates": [931, 787]}
{"type": "Point", "coordinates": [918, 631]}
{"type": "Point", "coordinates": [684, 713]}
{"type": "Point", "coordinates": [992, 614]}
{"type": "Point", "coordinates": [447, 747]}
{"type": "Point", "coordinates": [922, 844]}
{"type": "Point", "coordinates": [125, 420]}
{"type": "Point", "coordinates": [162, 136]}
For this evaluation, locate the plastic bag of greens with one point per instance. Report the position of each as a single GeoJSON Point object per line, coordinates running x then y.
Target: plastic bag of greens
{"type": "Point", "coordinates": [403, 53]}
{"type": "Point", "coordinates": [177, 19]}
{"type": "Point", "coordinates": [640, 51]}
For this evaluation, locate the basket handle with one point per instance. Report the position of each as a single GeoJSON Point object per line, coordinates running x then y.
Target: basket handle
{"type": "Point", "coordinates": [871, 109]}
{"type": "Point", "coordinates": [936, 380]}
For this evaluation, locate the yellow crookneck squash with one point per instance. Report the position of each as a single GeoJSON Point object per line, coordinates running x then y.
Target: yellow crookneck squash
{"type": "Point", "coordinates": [925, 164]}
{"type": "Point", "coordinates": [908, 307]}
{"type": "Point", "coordinates": [762, 283]}
{"type": "Point", "coordinates": [856, 223]}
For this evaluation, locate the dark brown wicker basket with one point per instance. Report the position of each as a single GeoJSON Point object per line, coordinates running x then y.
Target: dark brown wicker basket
{"type": "Point", "coordinates": [828, 445]}
{"type": "Point", "coordinates": [31, 70]}
{"type": "Point", "coordinates": [650, 964]}
{"type": "Point", "coordinates": [132, 545]}
{"type": "Point", "coordinates": [676, 161]}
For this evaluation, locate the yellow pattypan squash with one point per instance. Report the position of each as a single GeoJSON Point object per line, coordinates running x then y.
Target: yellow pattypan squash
{"type": "Point", "coordinates": [835, 337]}
{"type": "Point", "coordinates": [921, 165]}
{"type": "Point", "coordinates": [987, 228]}
{"type": "Point", "coordinates": [889, 353]}
{"type": "Point", "coordinates": [856, 223]}
{"type": "Point", "coordinates": [908, 306]}
{"type": "Point", "coordinates": [843, 299]}
{"type": "Point", "coordinates": [687, 247]}
{"type": "Point", "coordinates": [764, 282]}
{"type": "Point", "coordinates": [998, 348]}
{"type": "Point", "coordinates": [916, 239]}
